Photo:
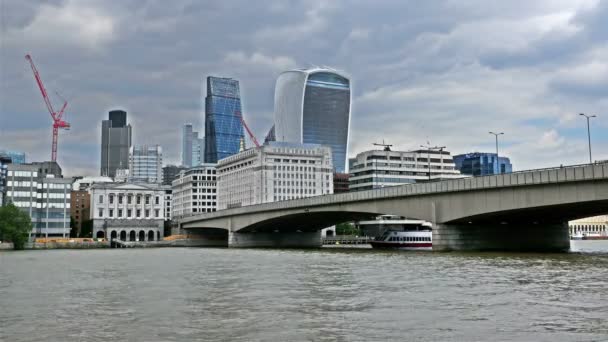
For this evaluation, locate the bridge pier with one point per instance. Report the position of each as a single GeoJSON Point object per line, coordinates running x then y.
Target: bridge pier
{"type": "Point", "coordinates": [275, 239]}
{"type": "Point", "coordinates": [501, 237]}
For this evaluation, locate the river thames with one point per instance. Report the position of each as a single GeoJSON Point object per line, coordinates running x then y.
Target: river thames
{"type": "Point", "coordinates": [197, 294]}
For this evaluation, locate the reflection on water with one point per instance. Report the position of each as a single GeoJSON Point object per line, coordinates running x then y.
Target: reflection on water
{"type": "Point", "coordinates": [303, 295]}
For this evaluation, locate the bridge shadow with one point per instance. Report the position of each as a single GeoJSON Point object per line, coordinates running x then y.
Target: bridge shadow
{"type": "Point", "coordinates": [307, 221]}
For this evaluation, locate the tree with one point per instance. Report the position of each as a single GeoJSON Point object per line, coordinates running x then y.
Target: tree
{"type": "Point", "coordinates": [15, 225]}
{"type": "Point", "coordinates": [347, 228]}
{"type": "Point", "coordinates": [87, 229]}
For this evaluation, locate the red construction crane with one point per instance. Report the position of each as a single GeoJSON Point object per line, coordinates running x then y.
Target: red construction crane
{"type": "Point", "coordinates": [251, 136]}
{"type": "Point", "coordinates": [57, 122]}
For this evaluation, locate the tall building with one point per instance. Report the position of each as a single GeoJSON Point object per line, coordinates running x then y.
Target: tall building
{"type": "Point", "coordinates": [193, 147]}
{"type": "Point", "coordinates": [194, 191]}
{"type": "Point", "coordinates": [146, 164]}
{"type": "Point", "coordinates": [127, 211]}
{"type": "Point", "coordinates": [223, 126]}
{"type": "Point", "coordinates": [115, 143]}
{"type": "Point", "coordinates": [377, 169]}
{"type": "Point", "coordinates": [40, 190]}
{"type": "Point", "coordinates": [313, 107]}
{"type": "Point", "coordinates": [482, 164]}
{"type": "Point", "coordinates": [171, 172]}
{"type": "Point", "coordinates": [80, 208]}
{"type": "Point", "coordinates": [276, 171]}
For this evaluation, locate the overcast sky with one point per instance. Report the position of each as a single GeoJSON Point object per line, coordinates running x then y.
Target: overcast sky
{"type": "Point", "coordinates": [440, 71]}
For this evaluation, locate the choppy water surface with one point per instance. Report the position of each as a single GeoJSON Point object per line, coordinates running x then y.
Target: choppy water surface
{"type": "Point", "coordinates": [303, 295]}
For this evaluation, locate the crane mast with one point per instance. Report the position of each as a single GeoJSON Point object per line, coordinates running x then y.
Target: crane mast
{"type": "Point", "coordinates": [56, 116]}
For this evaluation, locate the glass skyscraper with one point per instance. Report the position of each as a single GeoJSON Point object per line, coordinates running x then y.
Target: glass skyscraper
{"type": "Point", "coordinates": [223, 126]}
{"type": "Point", "coordinates": [482, 164]}
{"type": "Point", "coordinates": [313, 107]}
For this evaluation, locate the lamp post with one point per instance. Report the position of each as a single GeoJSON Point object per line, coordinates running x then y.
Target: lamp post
{"type": "Point", "coordinates": [497, 160]}
{"type": "Point", "coordinates": [588, 133]}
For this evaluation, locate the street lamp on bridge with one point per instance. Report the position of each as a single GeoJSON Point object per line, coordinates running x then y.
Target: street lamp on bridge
{"type": "Point", "coordinates": [588, 133]}
{"type": "Point", "coordinates": [497, 160]}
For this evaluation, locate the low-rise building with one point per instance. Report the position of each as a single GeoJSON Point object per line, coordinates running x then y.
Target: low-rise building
{"type": "Point", "coordinates": [127, 211]}
{"type": "Point", "coordinates": [40, 190]}
{"type": "Point", "coordinates": [194, 191]}
{"type": "Point", "coordinates": [381, 168]}
{"type": "Point", "coordinates": [596, 226]}
{"type": "Point", "coordinates": [482, 164]}
{"type": "Point", "coordinates": [80, 208]}
{"type": "Point", "coordinates": [276, 171]}
{"type": "Point", "coordinates": [341, 182]}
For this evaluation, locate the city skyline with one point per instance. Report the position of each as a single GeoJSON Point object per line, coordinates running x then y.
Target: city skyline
{"type": "Point", "coordinates": [536, 67]}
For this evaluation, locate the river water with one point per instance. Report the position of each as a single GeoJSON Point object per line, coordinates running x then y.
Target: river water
{"type": "Point", "coordinates": [196, 294]}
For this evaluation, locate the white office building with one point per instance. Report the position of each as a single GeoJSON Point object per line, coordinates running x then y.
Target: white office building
{"type": "Point", "coordinates": [277, 171]}
{"type": "Point", "coordinates": [127, 211]}
{"type": "Point", "coordinates": [146, 164]}
{"type": "Point", "coordinates": [194, 191]}
{"type": "Point", "coordinates": [380, 168]}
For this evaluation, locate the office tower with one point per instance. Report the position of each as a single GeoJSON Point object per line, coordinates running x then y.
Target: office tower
{"type": "Point", "coordinates": [15, 157]}
{"type": "Point", "coordinates": [146, 164]}
{"type": "Point", "coordinates": [115, 143]}
{"type": "Point", "coordinates": [194, 191]}
{"type": "Point", "coordinates": [223, 126]}
{"type": "Point", "coordinates": [313, 106]}
{"type": "Point", "coordinates": [170, 172]}
{"type": "Point", "coordinates": [193, 147]}
{"type": "Point", "coordinates": [482, 164]}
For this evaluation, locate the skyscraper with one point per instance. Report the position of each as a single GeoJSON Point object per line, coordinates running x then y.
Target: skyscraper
{"type": "Point", "coordinates": [146, 164]}
{"type": "Point", "coordinates": [193, 147]}
{"type": "Point", "coordinates": [482, 164]}
{"type": "Point", "coordinates": [223, 127]}
{"type": "Point", "coordinates": [115, 143]}
{"type": "Point", "coordinates": [313, 106]}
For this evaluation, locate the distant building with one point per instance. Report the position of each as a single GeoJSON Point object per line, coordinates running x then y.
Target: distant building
{"type": "Point", "coordinates": [341, 182]}
{"type": "Point", "coordinates": [223, 126]}
{"type": "Point", "coordinates": [170, 172]}
{"type": "Point", "coordinates": [193, 147]}
{"type": "Point", "coordinates": [15, 157]}
{"type": "Point", "coordinates": [115, 143]}
{"type": "Point", "coordinates": [313, 107]}
{"type": "Point", "coordinates": [146, 164]}
{"type": "Point", "coordinates": [80, 208]}
{"type": "Point", "coordinates": [274, 172]}
{"type": "Point", "coordinates": [4, 162]}
{"type": "Point", "coordinates": [40, 190]}
{"type": "Point", "coordinates": [168, 201]}
{"type": "Point", "coordinates": [482, 164]}
{"type": "Point", "coordinates": [376, 169]}
{"type": "Point", "coordinates": [194, 191]}
{"type": "Point", "coordinates": [83, 183]}
{"type": "Point", "coordinates": [127, 211]}
{"type": "Point", "coordinates": [596, 226]}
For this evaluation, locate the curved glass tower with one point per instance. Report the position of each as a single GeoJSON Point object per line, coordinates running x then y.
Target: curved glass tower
{"type": "Point", "coordinates": [313, 106]}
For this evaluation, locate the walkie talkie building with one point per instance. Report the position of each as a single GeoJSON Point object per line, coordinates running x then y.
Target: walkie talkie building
{"type": "Point", "coordinates": [313, 107]}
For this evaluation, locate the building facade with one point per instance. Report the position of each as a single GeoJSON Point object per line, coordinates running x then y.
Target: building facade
{"type": "Point", "coordinates": [127, 211]}
{"type": "Point", "coordinates": [15, 157]}
{"type": "Point", "coordinates": [274, 172]}
{"type": "Point", "coordinates": [80, 209]}
{"type": "Point", "coordinates": [195, 191]}
{"type": "Point", "coordinates": [193, 147]}
{"type": "Point", "coordinates": [146, 164]}
{"type": "Point", "coordinates": [589, 227]}
{"type": "Point", "coordinates": [223, 125]}
{"type": "Point", "coordinates": [40, 190]}
{"type": "Point", "coordinates": [341, 182]}
{"type": "Point", "coordinates": [380, 168]}
{"type": "Point", "coordinates": [115, 143]}
{"type": "Point", "coordinates": [313, 107]}
{"type": "Point", "coordinates": [171, 172]}
{"type": "Point", "coordinates": [482, 164]}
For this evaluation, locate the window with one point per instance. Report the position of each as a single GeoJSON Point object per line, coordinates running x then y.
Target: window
{"type": "Point", "coordinates": [157, 200]}
{"type": "Point", "coordinates": [129, 199]}
{"type": "Point", "coordinates": [100, 199]}
{"type": "Point", "coordinates": [119, 212]}
{"type": "Point", "coordinates": [111, 213]}
{"type": "Point", "coordinates": [147, 212]}
{"type": "Point", "coordinates": [129, 212]}
{"type": "Point", "coordinates": [100, 213]}
{"type": "Point", "coordinates": [156, 213]}
{"type": "Point", "coordinates": [138, 199]}
{"type": "Point", "coordinates": [111, 199]}
{"type": "Point", "coordinates": [147, 200]}
{"type": "Point", "coordinates": [138, 212]}
{"type": "Point", "coordinates": [120, 199]}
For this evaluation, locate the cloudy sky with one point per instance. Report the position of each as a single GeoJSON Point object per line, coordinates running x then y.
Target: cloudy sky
{"type": "Point", "coordinates": [443, 71]}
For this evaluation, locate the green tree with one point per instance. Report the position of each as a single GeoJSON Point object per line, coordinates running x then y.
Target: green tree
{"type": "Point", "coordinates": [15, 225]}
{"type": "Point", "coordinates": [347, 228]}
{"type": "Point", "coordinates": [87, 229]}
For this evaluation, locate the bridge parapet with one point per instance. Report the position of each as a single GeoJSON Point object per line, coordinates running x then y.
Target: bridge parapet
{"type": "Point", "coordinates": [562, 174]}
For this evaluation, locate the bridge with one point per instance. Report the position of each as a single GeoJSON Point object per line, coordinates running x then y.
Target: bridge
{"type": "Point", "coordinates": [521, 211]}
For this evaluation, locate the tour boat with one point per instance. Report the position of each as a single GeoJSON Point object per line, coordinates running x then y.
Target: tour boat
{"type": "Point", "coordinates": [404, 234]}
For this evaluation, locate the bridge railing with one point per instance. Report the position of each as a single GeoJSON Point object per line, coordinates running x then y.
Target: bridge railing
{"type": "Point", "coordinates": [570, 173]}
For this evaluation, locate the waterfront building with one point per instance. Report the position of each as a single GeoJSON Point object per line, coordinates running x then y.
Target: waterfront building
{"type": "Point", "coordinates": [168, 200]}
{"type": "Point", "coordinates": [127, 211]}
{"type": "Point", "coordinates": [115, 143]}
{"type": "Point", "coordinates": [170, 172]}
{"type": "Point", "coordinates": [146, 164]}
{"type": "Point", "coordinates": [482, 164]}
{"type": "Point", "coordinates": [193, 147]}
{"type": "Point", "coordinates": [341, 182]}
{"type": "Point", "coordinates": [313, 106]}
{"type": "Point", "coordinates": [596, 226]}
{"type": "Point", "coordinates": [223, 125]}
{"type": "Point", "coordinates": [40, 190]}
{"type": "Point", "coordinates": [194, 191]}
{"type": "Point", "coordinates": [15, 157]}
{"type": "Point", "coordinates": [380, 168]}
{"type": "Point", "coordinates": [80, 208]}
{"type": "Point", "coordinates": [277, 171]}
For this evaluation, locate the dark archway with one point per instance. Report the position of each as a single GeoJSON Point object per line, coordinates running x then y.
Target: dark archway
{"type": "Point", "coordinates": [123, 236]}
{"type": "Point", "coordinates": [151, 235]}
{"type": "Point", "coordinates": [132, 236]}
{"type": "Point", "coordinates": [100, 234]}
{"type": "Point", "coordinates": [142, 235]}
{"type": "Point", "coordinates": [113, 235]}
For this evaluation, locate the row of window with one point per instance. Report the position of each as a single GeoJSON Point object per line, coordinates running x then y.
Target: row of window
{"type": "Point", "coordinates": [129, 213]}
{"type": "Point", "coordinates": [23, 173]}
{"type": "Point", "coordinates": [409, 238]}
{"type": "Point", "coordinates": [51, 205]}
{"type": "Point", "coordinates": [129, 199]}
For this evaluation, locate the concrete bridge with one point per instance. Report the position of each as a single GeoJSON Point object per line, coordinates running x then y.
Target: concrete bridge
{"type": "Point", "coordinates": [521, 211]}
